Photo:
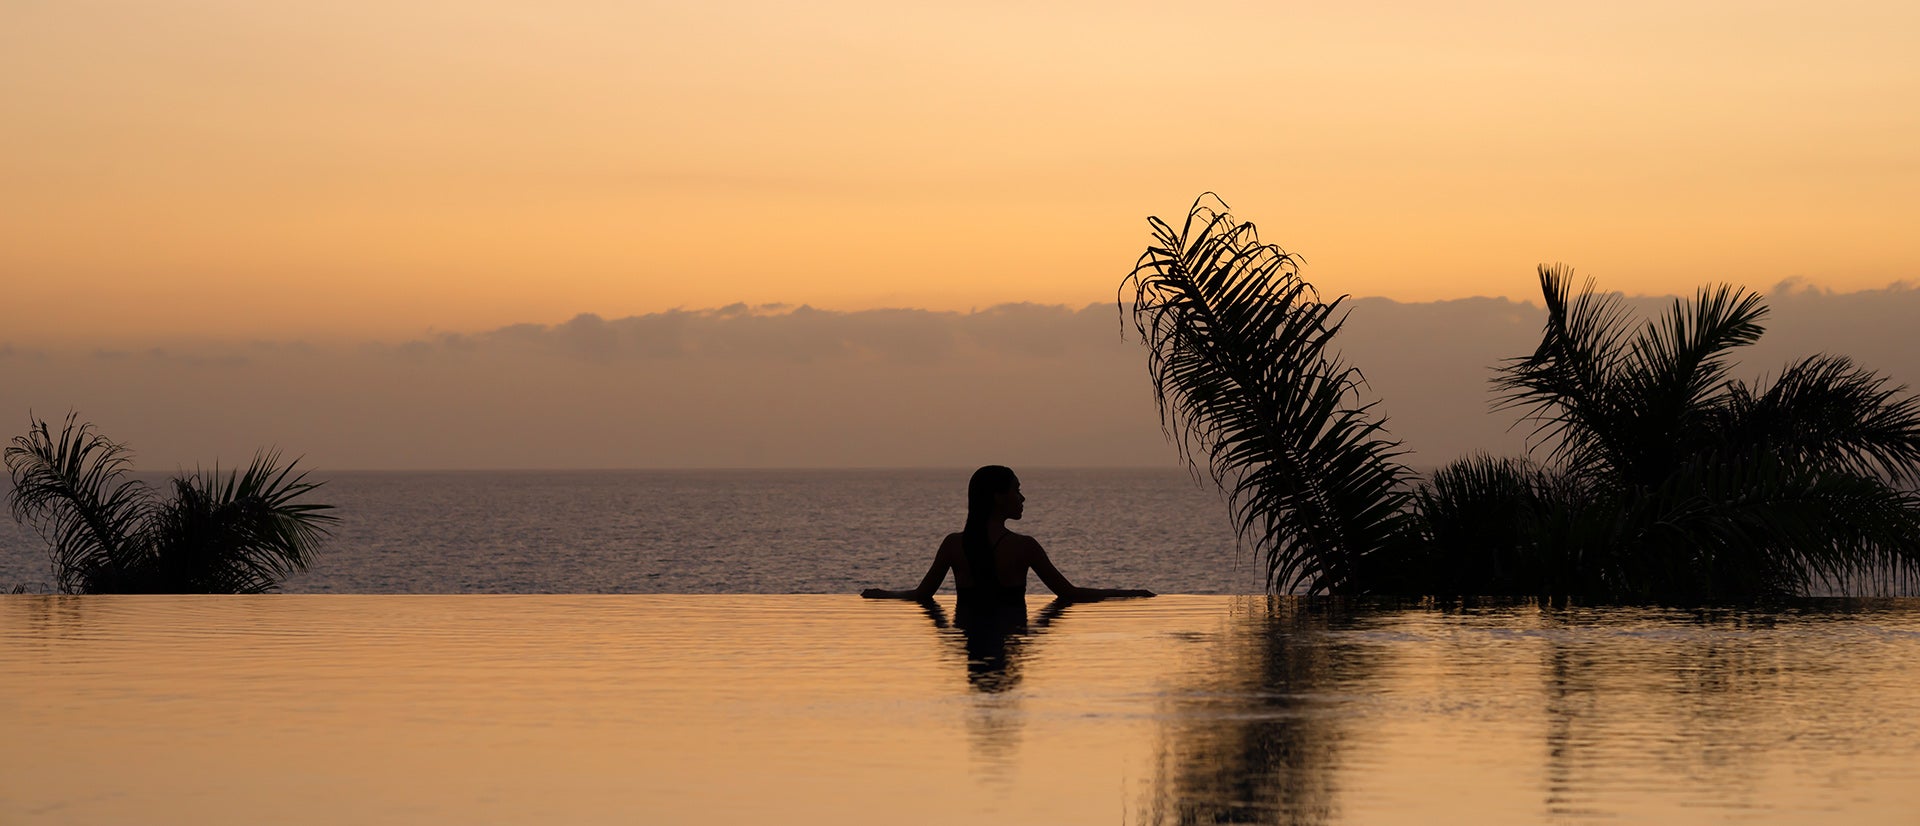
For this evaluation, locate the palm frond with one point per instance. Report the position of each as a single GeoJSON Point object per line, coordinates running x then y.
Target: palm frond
{"type": "Point", "coordinates": [220, 533]}
{"type": "Point", "coordinates": [1742, 522]}
{"type": "Point", "coordinates": [237, 532]}
{"type": "Point", "coordinates": [1570, 386]}
{"type": "Point", "coordinates": [1836, 417]}
{"type": "Point", "coordinates": [1478, 530]}
{"type": "Point", "coordinates": [1239, 352]}
{"type": "Point", "coordinates": [73, 489]}
{"type": "Point", "coordinates": [1677, 361]}
{"type": "Point", "coordinates": [1675, 372]}
{"type": "Point", "coordinates": [1620, 402]}
{"type": "Point", "coordinates": [1665, 480]}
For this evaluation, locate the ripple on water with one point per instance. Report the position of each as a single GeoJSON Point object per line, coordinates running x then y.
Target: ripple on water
{"type": "Point", "coordinates": [700, 709]}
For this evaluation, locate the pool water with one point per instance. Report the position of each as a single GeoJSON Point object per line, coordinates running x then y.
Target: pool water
{"type": "Point", "coordinates": [832, 709]}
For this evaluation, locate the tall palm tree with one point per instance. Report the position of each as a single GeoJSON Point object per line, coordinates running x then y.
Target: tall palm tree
{"type": "Point", "coordinates": [239, 532]}
{"type": "Point", "coordinates": [1661, 477]}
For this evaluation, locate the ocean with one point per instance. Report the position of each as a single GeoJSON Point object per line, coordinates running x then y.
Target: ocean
{"type": "Point", "coordinates": [730, 531]}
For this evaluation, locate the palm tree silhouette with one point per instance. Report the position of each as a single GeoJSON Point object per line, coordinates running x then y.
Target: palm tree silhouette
{"type": "Point", "coordinates": [1665, 478]}
{"type": "Point", "coordinates": [1662, 477]}
{"type": "Point", "coordinates": [241, 532]}
{"type": "Point", "coordinates": [1238, 347]}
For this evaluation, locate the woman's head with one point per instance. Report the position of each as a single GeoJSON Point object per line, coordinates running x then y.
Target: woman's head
{"type": "Point", "coordinates": [993, 492]}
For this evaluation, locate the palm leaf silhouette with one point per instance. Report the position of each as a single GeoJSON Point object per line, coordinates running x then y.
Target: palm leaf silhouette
{"type": "Point", "coordinates": [73, 489]}
{"type": "Point", "coordinates": [241, 532]}
{"type": "Point", "coordinates": [1239, 351]}
{"type": "Point", "coordinates": [1663, 477]}
{"type": "Point", "coordinates": [1688, 484]}
{"type": "Point", "coordinates": [1825, 411]}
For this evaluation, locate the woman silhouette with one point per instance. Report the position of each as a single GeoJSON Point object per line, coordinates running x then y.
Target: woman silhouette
{"type": "Point", "coordinates": [990, 563]}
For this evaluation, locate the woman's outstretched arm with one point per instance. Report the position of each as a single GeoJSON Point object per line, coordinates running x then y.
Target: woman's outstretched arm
{"type": "Point", "coordinates": [1068, 591]}
{"type": "Point", "coordinates": [936, 574]}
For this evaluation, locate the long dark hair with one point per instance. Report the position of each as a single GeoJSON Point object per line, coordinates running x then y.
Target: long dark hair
{"type": "Point", "coordinates": [982, 490]}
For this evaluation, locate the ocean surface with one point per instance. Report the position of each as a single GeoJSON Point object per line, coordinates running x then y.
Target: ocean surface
{"type": "Point", "coordinates": [730, 532]}
{"type": "Point", "coordinates": [831, 709]}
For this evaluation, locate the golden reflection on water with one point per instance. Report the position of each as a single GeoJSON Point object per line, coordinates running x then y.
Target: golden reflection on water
{"type": "Point", "coordinates": [830, 709]}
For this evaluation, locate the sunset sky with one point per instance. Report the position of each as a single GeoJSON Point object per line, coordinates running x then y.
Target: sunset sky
{"type": "Point", "coordinates": [425, 235]}
{"type": "Point", "coordinates": [353, 170]}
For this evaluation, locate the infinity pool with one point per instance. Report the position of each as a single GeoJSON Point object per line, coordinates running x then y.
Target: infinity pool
{"type": "Point", "coordinates": [831, 709]}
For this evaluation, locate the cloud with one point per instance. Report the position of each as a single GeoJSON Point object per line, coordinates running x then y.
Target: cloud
{"type": "Point", "coordinates": [764, 385]}
{"type": "Point", "coordinates": [790, 334]}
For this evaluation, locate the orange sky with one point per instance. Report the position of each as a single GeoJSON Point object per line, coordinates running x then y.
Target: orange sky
{"type": "Point", "coordinates": [220, 168]}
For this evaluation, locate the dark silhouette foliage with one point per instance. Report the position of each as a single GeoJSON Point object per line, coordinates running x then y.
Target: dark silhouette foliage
{"type": "Point", "coordinates": [1238, 346]}
{"type": "Point", "coordinates": [234, 533]}
{"type": "Point", "coordinates": [1659, 476]}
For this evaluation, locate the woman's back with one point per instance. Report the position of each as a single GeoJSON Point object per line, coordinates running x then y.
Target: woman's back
{"type": "Point", "coordinates": [990, 579]}
{"type": "Point", "coordinates": [989, 562]}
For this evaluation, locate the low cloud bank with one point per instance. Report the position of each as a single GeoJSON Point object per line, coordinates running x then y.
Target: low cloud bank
{"type": "Point", "coordinates": [740, 333]}
{"type": "Point", "coordinates": [777, 386]}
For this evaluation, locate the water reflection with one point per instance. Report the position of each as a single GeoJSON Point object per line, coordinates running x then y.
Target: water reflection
{"type": "Point", "coordinates": [1256, 735]}
{"type": "Point", "coordinates": [838, 710]}
{"type": "Point", "coordinates": [1713, 699]}
{"type": "Point", "coordinates": [995, 649]}
{"type": "Point", "coordinates": [994, 646]}
{"type": "Point", "coordinates": [1297, 711]}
